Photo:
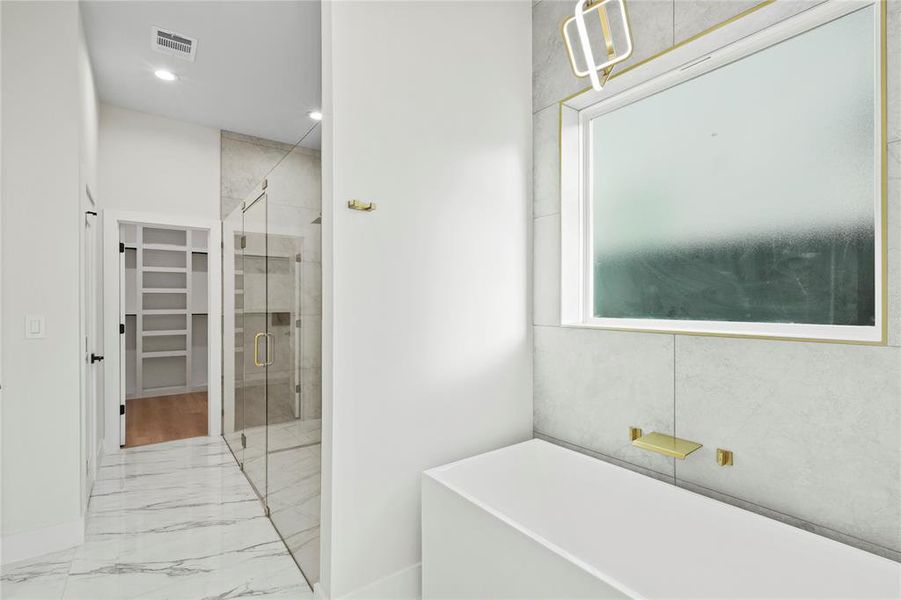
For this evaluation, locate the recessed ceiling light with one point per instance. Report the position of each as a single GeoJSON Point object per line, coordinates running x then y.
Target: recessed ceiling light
{"type": "Point", "coordinates": [165, 75]}
{"type": "Point", "coordinates": [315, 115]}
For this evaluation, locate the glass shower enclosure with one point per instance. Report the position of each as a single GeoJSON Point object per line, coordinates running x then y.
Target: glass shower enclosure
{"type": "Point", "coordinates": [271, 402]}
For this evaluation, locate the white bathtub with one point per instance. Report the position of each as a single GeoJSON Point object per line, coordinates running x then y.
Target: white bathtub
{"type": "Point", "coordinates": [538, 521]}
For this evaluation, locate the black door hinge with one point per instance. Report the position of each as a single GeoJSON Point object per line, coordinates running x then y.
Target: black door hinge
{"type": "Point", "coordinates": [121, 328]}
{"type": "Point", "coordinates": [122, 247]}
{"type": "Point", "coordinates": [243, 441]}
{"type": "Point", "coordinates": [121, 409]}
{"type": "Point", "coordinates": [243, 241]}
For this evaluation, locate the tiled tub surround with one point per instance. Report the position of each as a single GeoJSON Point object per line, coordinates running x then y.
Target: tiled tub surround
{"type": "Point", "coordinates": [173, 520]}
{"type": "Point", "coordinates": [814, 427]}
{"type": "Point", "coordinates": [534, 520]}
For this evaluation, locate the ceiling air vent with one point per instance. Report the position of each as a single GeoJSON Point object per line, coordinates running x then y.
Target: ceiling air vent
{"type": "Point", "coordinates": [173, 44]}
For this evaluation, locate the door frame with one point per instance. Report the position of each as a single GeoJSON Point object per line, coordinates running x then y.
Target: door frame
{"type": "Point", "coordinates": [111, 336]}
{"type": "Point", "coordinates": [91, 342]}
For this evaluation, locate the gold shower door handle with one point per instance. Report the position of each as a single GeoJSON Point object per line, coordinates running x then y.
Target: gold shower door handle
{"type": "Point", "coordinates": [256, 349]}
{"type": "Point", "coordinates": [270, 350]}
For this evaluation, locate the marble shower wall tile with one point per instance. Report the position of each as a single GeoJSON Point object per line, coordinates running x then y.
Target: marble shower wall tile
{"type": "Point", "coordinates": [814, 429]}
{"type": "Point", "coordinates": [311, 342]}
{"type": "Point", "coordinates": [310, 288]}
{"type": "Point", "coordinates": [244, 162]}
{"type": "Point", "coordinates": [694, 16]}
{"type": "Point", "coordinates": [546, 270]}
{"type": "Point", "coordinates": [591, 385]}
{"type": "Point", "coordinates": [691, 17]}
{"type": "Point", "coordinates": [311, 392]}
{"type": "Point", "coordinates": [296, 181]}
{"type": "Point", "coordinates": [552, 77]}
{"type": "Point", "coordinates": [652, 29]}
{"type": "Point", "coordinates": [546, 161]}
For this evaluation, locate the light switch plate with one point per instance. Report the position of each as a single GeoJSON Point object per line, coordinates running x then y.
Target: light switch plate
{"type": "Point", "coordinates": [34, 327]}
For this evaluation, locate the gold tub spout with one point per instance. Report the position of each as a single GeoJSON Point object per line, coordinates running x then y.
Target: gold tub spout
{"type": "Point", "coordinates": [667, 445]}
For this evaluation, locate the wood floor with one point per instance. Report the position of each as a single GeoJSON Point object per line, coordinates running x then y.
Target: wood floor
{"type": "Point", "coordinates": [165, 418]}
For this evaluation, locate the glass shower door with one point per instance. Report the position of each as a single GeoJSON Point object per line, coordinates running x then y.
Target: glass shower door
{"type": "Point", "coordinates": [233, 334]}
{"type": "Point", "coordinates": [257, 338]}
{"type": "Point", "coordinates": [272, 403]}
{"type": "Point", "coordinates": [294, 420]}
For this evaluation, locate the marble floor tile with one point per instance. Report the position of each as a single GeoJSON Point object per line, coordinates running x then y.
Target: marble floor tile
{"type": "Point", "coordinates": [44, 577]}
{"type": "Point", "coordinates": [174, 520]}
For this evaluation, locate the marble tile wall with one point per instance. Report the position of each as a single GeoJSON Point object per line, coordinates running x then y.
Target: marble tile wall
{"type": "Point", "coordinates": [244, 162]}
{"type": "Point", "coordinates": [814, 427]}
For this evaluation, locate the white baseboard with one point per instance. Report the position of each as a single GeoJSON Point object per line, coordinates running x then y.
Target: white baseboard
{"type": "Point", "coordinates": [405, 584]}
{"type": "Point", "coordinates": [31, 544]}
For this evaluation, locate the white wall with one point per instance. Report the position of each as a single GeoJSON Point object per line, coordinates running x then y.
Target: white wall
{"type": "Point", "coordinates": [425, 311]}
{"type": "Point", "coordinates": [47, 121]}
{"type": "Point", "coordinates": [154, 164]}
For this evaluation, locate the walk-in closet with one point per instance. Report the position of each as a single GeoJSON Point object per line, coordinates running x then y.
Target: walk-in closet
{"type": "Point", "coordinates": [163, 305]}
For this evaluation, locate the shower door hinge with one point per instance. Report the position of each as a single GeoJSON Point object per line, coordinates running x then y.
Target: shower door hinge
{"type": "Point", "coordinates": [243, 441]}
{"type": "Point", "coordinates": [122, 247]}
{"type": "Point", "coordinates": [121, 409]}
{"type": "Point", "coordinates": [298, 257]}
{"type": "Point", "coordinates": [296, 388]}
{"type": "Point", "coordinates": [297, 323]}
{"type": "Point", "coordinates": [121, 328]}
{"type": "Point", "coordinates": [243, 241]}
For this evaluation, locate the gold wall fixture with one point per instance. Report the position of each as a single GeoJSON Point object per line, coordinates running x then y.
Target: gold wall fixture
{"type": "Point", "coordinates": [723, 457]}
{"type": "Point", "coordinates": [634, 433]}
{"type": "Point", "coordinates": [364, 206]}
{"type": "Point", "coordinates": [613, 57]}
{"type": "Point", "coordinates": [667, 445]}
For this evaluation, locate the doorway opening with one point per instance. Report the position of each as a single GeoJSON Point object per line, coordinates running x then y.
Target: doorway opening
{"type": "Point", "coordinates": [165, 310]}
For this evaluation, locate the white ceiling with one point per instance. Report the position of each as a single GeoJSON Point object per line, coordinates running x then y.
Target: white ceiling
{"type": "Point", "coordinates": [256, 71]}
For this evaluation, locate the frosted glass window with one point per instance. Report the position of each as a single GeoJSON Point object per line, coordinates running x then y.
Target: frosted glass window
{"type": "Point", "coordinates": [746, 193]}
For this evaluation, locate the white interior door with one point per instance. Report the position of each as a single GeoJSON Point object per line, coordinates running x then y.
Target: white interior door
{"type": "Point", "coordinates": [122, 363]}
{"type": "Point", "coordinates": [93, 355]}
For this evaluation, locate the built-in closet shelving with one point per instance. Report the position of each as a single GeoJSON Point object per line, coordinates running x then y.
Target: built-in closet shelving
{"type": "Point", "coordinates": [166, 284]}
